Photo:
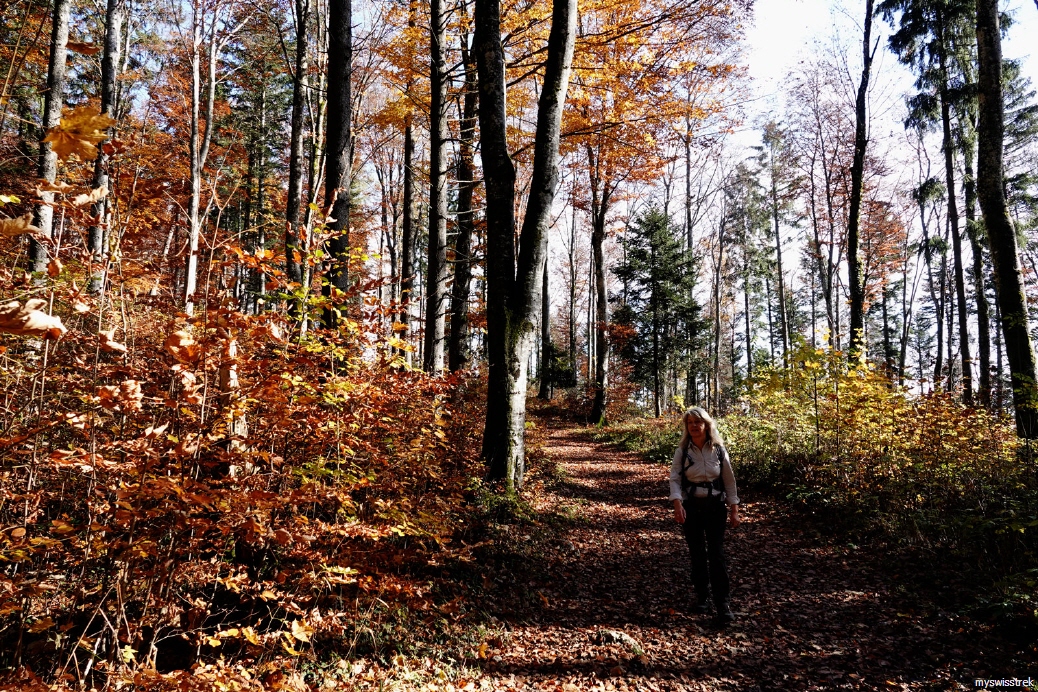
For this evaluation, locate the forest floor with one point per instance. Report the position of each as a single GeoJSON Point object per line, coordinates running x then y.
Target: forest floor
{"type": "Point", "coordinates": [611, 608]}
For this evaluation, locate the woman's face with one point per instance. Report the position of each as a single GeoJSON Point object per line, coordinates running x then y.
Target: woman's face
{"type": "Point", "coordinates": [696, 426]}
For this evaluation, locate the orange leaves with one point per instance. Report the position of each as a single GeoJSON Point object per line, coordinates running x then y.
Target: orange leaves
{"type": "Point", "coordinates": [79, 133]}
{"type": "Point", "coordinates": [182, 346]}
{"type": "Point", "coordinates": [29, 319]}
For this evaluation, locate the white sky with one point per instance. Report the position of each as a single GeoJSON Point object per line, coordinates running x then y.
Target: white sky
{"type": "Point", "coordinates": [784, 30]}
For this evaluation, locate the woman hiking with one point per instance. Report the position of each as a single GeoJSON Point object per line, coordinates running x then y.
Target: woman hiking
{"type": "Point", "coordinates": [702, 488]}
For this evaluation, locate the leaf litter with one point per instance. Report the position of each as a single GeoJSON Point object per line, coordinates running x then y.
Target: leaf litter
{"type": "Point", "coordinates": [612, 608]}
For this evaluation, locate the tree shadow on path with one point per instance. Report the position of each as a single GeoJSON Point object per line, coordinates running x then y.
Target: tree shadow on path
{"type": "Point", "coordinates": [810, 616]}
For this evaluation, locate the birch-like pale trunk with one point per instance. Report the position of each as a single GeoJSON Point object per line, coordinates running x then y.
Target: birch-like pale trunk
{"type": "Point", "coordinates": [43, 214]}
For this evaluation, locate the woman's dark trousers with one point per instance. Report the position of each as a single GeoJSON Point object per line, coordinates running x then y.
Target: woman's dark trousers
{"type": "Point", "coordinates": [706, 518]}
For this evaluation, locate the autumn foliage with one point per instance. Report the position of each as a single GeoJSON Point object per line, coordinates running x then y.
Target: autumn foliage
{"type": "Point", "coordinates": [179, 490]}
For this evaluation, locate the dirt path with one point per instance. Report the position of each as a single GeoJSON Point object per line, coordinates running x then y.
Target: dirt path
{"type": "Point", "coordinates": [808, 617]}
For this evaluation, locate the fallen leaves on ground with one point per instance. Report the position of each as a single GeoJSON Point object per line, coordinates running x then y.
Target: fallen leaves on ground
{"type": "Point", "coordinates": [613, 609]}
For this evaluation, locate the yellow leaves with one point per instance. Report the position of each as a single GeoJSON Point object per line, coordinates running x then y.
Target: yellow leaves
{"type": "Point", "coordinates": [54, 267]}
{"type": "Point", "coordinates": [29, 319]}
{"type": "Point", "coordinates": [302, 631]}
{"type": "Point", "coordinates": [19, 226]}
{"type": "Point", "coordinates": [79, 133]}
{"type": "Point", "coordinates": [250, 636]}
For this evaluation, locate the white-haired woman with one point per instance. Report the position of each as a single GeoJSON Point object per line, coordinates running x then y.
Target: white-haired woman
{"type": "Point", "coordinates": [702, 488]}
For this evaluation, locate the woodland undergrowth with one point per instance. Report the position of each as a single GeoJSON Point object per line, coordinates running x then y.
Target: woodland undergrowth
{"type": "Point", "coordinates": [863, 461]}
{"type": "Point", "coordinates": [200, 502]}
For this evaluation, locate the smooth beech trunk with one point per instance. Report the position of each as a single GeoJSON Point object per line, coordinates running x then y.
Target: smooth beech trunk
{"type": "Point", "coordinates": [337, 157]}
{"type": "Point", "coordinates": [1001, 234]}
{"type": "Point", "coordinates": [514, 287]}
{"type": "Point", "coordinates": [436, 257]}
{"type": "Point", "coordinates": [43, 217]}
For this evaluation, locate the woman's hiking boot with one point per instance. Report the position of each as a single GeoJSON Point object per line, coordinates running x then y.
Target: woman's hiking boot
{"type": "Point", "coordinates": [724, 614]}
{"type": "Point", "coordinates": [702, 606]}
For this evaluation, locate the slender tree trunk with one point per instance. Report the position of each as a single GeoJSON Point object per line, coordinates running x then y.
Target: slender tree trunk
{"type": "Point", "coordinates": [199, 143]}
{"type": "Point", "coordinates": [295, 232]}
{"type": "Point", "coordinates": [953, 219]}
{"type": "Point", "coordinates": [544, 391]}
{"type": "Point", "coordinates": [980, 294]}
{"type": "Point", "coordinates": [96, 233]}
{"type": "Point", "coordinates": [857, 292]}
{"type": "Point", "coordinates": [43, 216]}
{"type": "Point", "coordinates": [338, 144]}
{"type": "Point", "coordinates": [778, 259]}
{"type": "Point", "coordinates": [513, 291]}
{"type": "Point", "coordinates": [436, 257]}
{"type": "Point", "coordinates": [407, 240]}
{"type": "Point", "coordinates": [598, 407]}
{"type": "Point", "coordinates": [458, 352]}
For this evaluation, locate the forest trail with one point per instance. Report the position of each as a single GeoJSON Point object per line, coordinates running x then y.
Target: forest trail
{"type": "Point", "coordinates": [810, 616]}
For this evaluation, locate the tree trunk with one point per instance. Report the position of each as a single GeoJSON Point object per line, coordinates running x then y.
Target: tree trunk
{"type": "Point", "coordinates": [43, 217]}
{"type": "Point", "coordinates": [1001, 234]}
{"type": "Point", "coordinates": [598, 407]}
{"type": "Point", "coordinates": [436, 257]}
{"type": "Point", "coordinates": [953, 219]}
{"type": "Point", "coordinates": [407, 233]}
{"type": "Point", "coordinates": [199, 143]}
{"type": "Point", "coordinates": [458, 351]}
{"type": "Point", "coordinates": [513, 291]}
{"type": "Point", "coordinates": [546, 360]}
{"type": "Point", "coordinates": [778, 260]}
{"type": "Point", "coordinates": [857, 292]}
{"type": "Point", "coordinates": [337, 147]}
{"type": "Point", "coordinates": [294, 230]}
{"type": "Point", "coordinates": [980, 294]}
{"type": "Point", "coordinates": [96, 234]}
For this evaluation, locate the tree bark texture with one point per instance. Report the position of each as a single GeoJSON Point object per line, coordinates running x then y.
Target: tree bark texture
{"type": "Point", "coordinates": [436, 257]}
{"type": "Point", "coordinates": [457, 347]}
{"type": "Point", "coordinates": [337, 147]}
{"type": "Point", "coordinates": [857, 292]}
{"type": "Point", "coordinates": [98, 231]}
{"type": "Point", "coordinates": [513, 288]}
{"type": "Point", "coordinates": [1001, 234]}
{"type": "Point", "coordinates": [295, 232]}
{"type": "Point", "coordinates": [43, 217]}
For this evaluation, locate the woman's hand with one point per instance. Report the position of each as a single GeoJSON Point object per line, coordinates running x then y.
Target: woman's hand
{"type": "Point", "coordinates": [679, 512]}
{"type": "Point", "coordinates": [733, 516]}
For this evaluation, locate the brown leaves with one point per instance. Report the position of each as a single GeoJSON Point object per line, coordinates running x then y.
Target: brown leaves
{"type": "Point", "coordinates": [29, 319]}
{"type": "Point", "coordinates": [107, 342]}
{"type": "Point", "coordinates": [182, 346]}
{"type": "Point", "coordinates": [83, 48]}
{"type": "Point", "coordinates": [125, 397]}
{"type": "Point", "coordinates": [95, 195]}
{"type": "Point", "coordinates": [19, 226]}
{"type": "Point", "coordinates": [79, 133]}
